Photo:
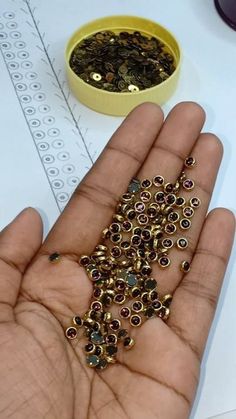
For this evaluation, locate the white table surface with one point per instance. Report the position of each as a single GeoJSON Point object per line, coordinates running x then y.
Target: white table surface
{"type": "Point", "coordinates": [208, 76]}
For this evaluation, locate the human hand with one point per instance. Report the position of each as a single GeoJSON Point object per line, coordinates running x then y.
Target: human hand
{"type": "Point", "coordinates": [43, 375]}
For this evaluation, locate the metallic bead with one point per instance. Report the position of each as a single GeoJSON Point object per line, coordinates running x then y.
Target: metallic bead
{"type": "Point", "coordinates": [131, 280]}
{"type": "Point", "coordinates": [96, 305]}
{"type": "Point", "coordinates": [134, 186]}
{"type": "Point", "coordinates": [157, 305]}
{"type": "Point", "coordinates": [111, 350]}
{"type": "Point", "coordinates": [195, 202]}
{"type": "Point", "coordinates": [180, 201]}
{"type": "Point", "coordinates": [89, 348]}
{"type": "Point", "coordinates": [96, 338]}
{"type": "Point", "coordinates": [165, 314]}
{"type": "Point", "coordinates": [142, 219]}
{"type": "Point", "coordinates": [71, 333]}
{"type": "Point", "coordinates": [92, 360]}
{"type": "Point", "coordinates": [149, 312]}
{"type": "Point", "coordinates": [110, 359]}
{"type": "Point", "coordinates": [185, 223]}
{"type": "Point", "coordinates": [111, 339]}
{"type": "Point", "coordinates": [54, 257]}
{"type": "Point", "coordinates": [77, 321]}
{"type": "Point", "coordinates": [127, 197]}
{"type": "Point", "coordinates": [166, 300]}
{"type": "Point", "coordinates": [122, 333]}
{"type": "Point", "coordinates": [146, 183]}
{"type": "Point", "coordinates": [116, 251]}
{"type": "Point", "coordinates": [139, 206]}
{"type": "Point", "coordinates": [189, 162]}
{"type": "Point", "coordinates": [188, 212]}
{"type": "Point", "coordinates": [137, 306]}
{"type": "Point", "coordinates": [126, 226]}
{"type": "Point", "coordinates": [125, 312]}
{"type": "Point", "coordinates": [158, 180]}
{"type": "Point", "coordinates": [135, 320]}
{"type": "Point", "coordinates": [107, 317]}
{"type": "Point", "coordinates": [170, 228]}
{"type": "Point", "coordinates": [145, 196]}
{"type": "Point", "coordinates": [128, 342]}
{"type": "Point", "coordinates": [167, 243]}
{"type": "Point", "coordinates": [182, 243]}
{"type": "Point", "coordinates": [168, 187]}
{"type": "Point", "coordinates": [188, 184]}
{"type": "Point", "coordinates": [116, 238]}
{"type": "Point", "coordinates": [102, 364]}
{"type": "Point", "coordinates": [84, 260]}
{"type": "Point", "coordinates": [170, 199]}
{"type": "Point", "coordinates": [118, 217]}
{"type": "Point", "coordinates": [115, 228]}
{"type": "Point", "coordinates": [150, 284]}
{"type": "Point", "coordinates": [164, 261]}
{"type": "Point", "coordinates": [173, 217]}
{"type": "Point", "coordinates": [185, 266]}
{"type": "Point", "coordinates": [119, 298]}
{"type": "Point", "coordinates": [132, 88]}
{"type": "Point", "coordinates": [159, 197]}
{"type": "Point", "coordinates": [115, 324]}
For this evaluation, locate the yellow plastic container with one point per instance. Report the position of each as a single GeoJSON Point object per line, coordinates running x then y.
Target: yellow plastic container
{"type": "Point", "coordinates": [114, 103]}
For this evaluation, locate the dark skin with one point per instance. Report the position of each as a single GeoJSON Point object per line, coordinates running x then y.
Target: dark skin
{"type": "Point", "coordinates": [45, 376]}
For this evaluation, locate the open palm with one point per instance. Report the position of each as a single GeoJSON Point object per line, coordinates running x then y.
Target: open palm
{"type": "Point", "coordinates": [42, 375]}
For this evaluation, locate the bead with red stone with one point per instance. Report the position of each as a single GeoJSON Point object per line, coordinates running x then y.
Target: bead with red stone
{"type": "Point", "coordinates": [137, 306]}
{"type": "Point", "coordinates": [125, 312]}
{"type": "Point", "coordinates": [119, 298]}
{"type": "Point", "coordinates": [158, 180]}
{"type": "Point", "coordinates": [84, 260]}
{"type": "Point", "coordinates": [164, 261]}
{"type": "Point", "coordinates": [146, 183]}
{"type": "Point", "coordinates": [185, 223]}
{"type": "Point", "coordinates": [116, 252]}
{"type": "Point", "coordinates": [71, 333]}
{"type": "Point", "coordinates": [135, 320]}
{"type": "Point", "coordinates": [96, 306]}
{"type": "Point", "coordinates": [195, 202]}
{"type": "Point", "coordinates": [127, 226]}
{"type": "Point", "coordinates": [139, 207]}
{"type": "Point", "coordinates": [167, 243]}
{"type": "Point", "coordinates": [188, 184]}
{"type": "Point", "coordinates": [145, 196]}
{"type": "Point", "coordinates": [170, 228]}
{"type": "Point", "coordinates": [189, 162]}
{"type": "Point", "coordinates": [188, 212]}
{"type": "Point", "coordinates": [115, 324]}
{"type": "Point", "coordinates": [159, 197]}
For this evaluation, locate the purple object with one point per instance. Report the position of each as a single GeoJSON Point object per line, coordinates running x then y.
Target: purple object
{"type": "Point", "coordinates": [227, 10]}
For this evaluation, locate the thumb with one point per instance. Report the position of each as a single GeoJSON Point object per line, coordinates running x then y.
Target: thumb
{"type": "Point", "coordinates": [19, 242]}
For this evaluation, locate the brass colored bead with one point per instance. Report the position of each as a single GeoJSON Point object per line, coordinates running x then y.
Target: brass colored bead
{"type": "Point", "coordinates": [166, 314]}
{"type": "Point", "coordinates": [118, 217]}
{"type": "Point", "coordinates": [101, 247]}
{"type": "Point", "coordinates": [77, 321]}
{"type": "Point", "coordinates": [128, 343]}
{"type": "Point", "coordinates": [107, 317]}
{"type": "Point", "coordinates": [110, 359]}
{"type": "Point", "coordinates": [182, 243]}
{"type": "Point", "coordinates": [189, 162]}
{"type": "Point", "coordinates": [54, 257]}
{"type": "Point", "coordinates": [71, 333]}
{"type": "Point", "coordinates": [166, 300]}
{"type": "Point", "coordinates": [138, 265]}
{"type": "Point", "coordinates": [185, 266]}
